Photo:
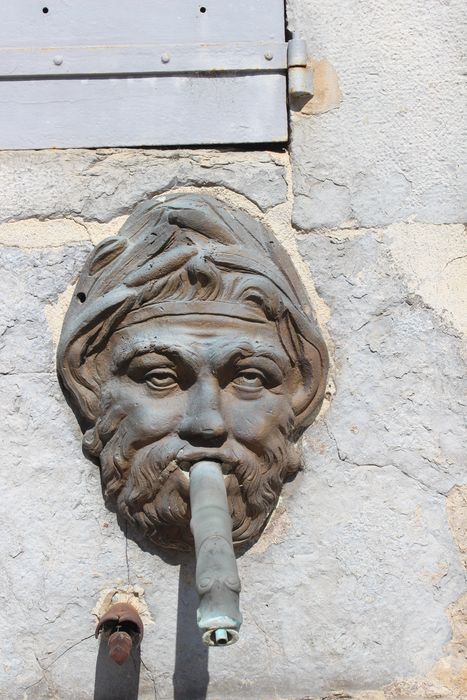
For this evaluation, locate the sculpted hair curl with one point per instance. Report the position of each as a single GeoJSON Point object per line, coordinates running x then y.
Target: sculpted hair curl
{"type": "Point", "coordinates": [184, 248]}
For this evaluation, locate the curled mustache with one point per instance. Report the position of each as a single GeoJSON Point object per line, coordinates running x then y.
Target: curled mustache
{"type": "Point", "coordinates": [148, 488]}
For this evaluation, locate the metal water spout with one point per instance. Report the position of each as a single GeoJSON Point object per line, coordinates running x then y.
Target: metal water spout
{"type": "Point", "coordinates": [217, 579]}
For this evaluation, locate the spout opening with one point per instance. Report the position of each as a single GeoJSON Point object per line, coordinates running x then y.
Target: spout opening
{"type": "Point", "coordinates": [220, 637]}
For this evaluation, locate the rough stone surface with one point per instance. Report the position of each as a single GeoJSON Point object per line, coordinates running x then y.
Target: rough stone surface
{"type": "Point", "coordinates": [434, 261]}
{"type": "Point", "coordinates": [350, 586]}
{"type": "Point", "coordinates": [55, 233]}
{"type": "Point", "coordinates": [395, 148]}
{"type": "Point", "coordinates": [28, 282]}
{"type": "Point", "coordinates": [404, 405]}
{"type": "Point", "coordinates": [103, 184]}
{"type": "Point", "coordinates": [357, 590]}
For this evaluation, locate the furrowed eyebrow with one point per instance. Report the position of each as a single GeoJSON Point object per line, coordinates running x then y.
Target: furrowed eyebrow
{"type": "Point", "coordinates": [225, 353]}
{"type": "Point", "coordinates": [176, 353]}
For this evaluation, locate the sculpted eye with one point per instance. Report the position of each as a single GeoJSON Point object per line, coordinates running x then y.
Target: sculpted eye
{"type": "Point", "coordinates": [161, 379]}
{"type": "Point", "coordinates": [250, 379]}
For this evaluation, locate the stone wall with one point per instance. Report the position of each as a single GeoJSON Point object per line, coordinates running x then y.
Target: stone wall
{"type": "Point", "coordinates": [357, 588]}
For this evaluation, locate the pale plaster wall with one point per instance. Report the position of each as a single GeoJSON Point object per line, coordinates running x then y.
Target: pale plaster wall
{"type": "Point", "coordinates": [395, 149]}
{"type": "Point", "coordinates": [357, 589]}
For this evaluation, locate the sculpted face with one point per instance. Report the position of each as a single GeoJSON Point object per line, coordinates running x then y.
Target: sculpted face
{"type": "Point", "coordinates": [189, 337]}
{"type": "Point", "coordinates": [189, 387]}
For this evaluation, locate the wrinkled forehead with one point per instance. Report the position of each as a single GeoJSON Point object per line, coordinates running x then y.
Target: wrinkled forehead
{"type": "Point", "coordinates": [197, 334]}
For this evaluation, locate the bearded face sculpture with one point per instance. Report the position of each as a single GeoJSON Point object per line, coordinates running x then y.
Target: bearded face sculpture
{"type": "Point", "coordinates": [189, 337]}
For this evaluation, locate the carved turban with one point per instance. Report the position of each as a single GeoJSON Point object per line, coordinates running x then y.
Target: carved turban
{"type": "Point", "coordinates": [137, 275]}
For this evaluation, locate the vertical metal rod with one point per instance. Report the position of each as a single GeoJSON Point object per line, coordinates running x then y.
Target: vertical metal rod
{"type": "Point", "coordinates": [217, 579]}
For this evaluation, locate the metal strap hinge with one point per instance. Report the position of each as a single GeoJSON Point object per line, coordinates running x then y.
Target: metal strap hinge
{"type": "Point", "coordinates": [159, 59]}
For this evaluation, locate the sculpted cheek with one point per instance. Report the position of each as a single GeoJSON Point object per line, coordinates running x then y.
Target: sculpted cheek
{"type": "Point", "coordinates": [148, 417]}
{"type": "Point", "coordinates": [152, 422]}
{"type": "Point", "coordinates": [253, 421]}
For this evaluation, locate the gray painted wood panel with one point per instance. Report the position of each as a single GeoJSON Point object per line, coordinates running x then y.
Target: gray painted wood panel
{"type": "Point", "coordinates": [48, 100]}
{"type": "Point", "coordinates": [91, 22]}
{"type": "Point", "coordinates": [142, 111]}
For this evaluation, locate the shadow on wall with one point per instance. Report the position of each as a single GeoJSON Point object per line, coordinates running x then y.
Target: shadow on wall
{"type": "Point", "coordinates": [114, 682]}
{"type": "Point", "coordinates": [191, 676]}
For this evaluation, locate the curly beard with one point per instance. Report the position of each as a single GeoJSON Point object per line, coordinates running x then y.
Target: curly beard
{"type": "Point", "coordinates": [149, 489]}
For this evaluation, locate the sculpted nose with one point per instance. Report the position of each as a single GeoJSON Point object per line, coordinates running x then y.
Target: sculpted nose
{"type": "Point", "coordinates": [203, 423]}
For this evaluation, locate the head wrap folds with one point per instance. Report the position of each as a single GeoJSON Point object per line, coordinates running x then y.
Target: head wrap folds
{"type": "Point", "coordinates": [160, 237]}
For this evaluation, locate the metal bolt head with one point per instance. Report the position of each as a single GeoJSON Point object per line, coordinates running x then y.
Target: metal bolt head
{"type": "Point", "coordinates": [58, 60]}
{"type": "Point", "coordinates": [165, 58]}
{"type": "Point", "coordinates": [268, 55]}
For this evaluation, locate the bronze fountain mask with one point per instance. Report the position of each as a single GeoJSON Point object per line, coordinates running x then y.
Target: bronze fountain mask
{"type": "Point", "coordinates": [190, 337]}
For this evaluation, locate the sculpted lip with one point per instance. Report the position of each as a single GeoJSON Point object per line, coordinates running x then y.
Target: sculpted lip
{"type": "Point", "coordinates": [187, 457]}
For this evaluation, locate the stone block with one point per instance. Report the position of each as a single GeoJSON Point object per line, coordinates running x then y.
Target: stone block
{"type": "Point", "coordinates": [395, 148]}
{"type": "Point", "coordinates": [100, 185]}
